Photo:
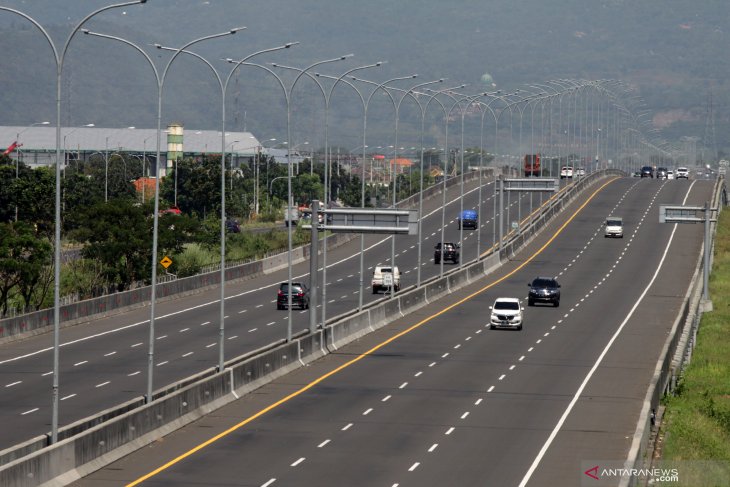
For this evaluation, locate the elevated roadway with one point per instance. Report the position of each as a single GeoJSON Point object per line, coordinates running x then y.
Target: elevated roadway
{"type": "Point", "coordinates": [437, 398]}
{"type": "Point", "coordinates": [104, 362]}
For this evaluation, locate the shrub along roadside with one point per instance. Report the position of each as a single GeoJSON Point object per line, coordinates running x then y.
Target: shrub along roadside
{"type": "Point", "coordinates": [697, 419]}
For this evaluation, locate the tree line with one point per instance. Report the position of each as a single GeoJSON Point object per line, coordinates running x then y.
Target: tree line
{"type": "Point", "coordinates": [106, 222]}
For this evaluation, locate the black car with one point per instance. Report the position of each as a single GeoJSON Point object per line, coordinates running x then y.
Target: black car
{"type": "Point", "coordinates": [299, 297]}
{"type": "Point", "coordinates": [647, 172]}
{"type": "Point", "coordinates": [451, 252]}
{"type": "Point", "coordinates": [544, 290]}
{"type": "Point", "coordinates": [661, 173]}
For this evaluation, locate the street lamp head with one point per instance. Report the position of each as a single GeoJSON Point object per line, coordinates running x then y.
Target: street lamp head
{"type": "Point", "coordinates": [289, 44]}
{"type": "Point", "coordinates": [236, 29]}
{"type": "Point", "coordinates": [342, 58]}
{"type": "Point", "coordinates": [44, 123]}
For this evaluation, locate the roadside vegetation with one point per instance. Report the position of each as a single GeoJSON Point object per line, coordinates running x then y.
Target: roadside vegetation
{"type": "Point", "coordinates": [107, 220]}
{"type": "Point", "coordinates": [697, 418]}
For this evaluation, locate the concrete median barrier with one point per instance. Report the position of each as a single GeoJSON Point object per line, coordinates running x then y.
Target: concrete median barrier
{"type": "Point", "coordinates": [94, 442]}
{"type": "Point", "coordinates": [412, 300]}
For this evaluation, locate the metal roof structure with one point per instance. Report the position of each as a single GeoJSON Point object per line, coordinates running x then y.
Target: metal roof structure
{"type": "Point", "coordinates": [42, 140]}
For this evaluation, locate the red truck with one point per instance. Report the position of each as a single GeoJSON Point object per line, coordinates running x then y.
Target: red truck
{"type": "Point", "coordinates": [532, 165]}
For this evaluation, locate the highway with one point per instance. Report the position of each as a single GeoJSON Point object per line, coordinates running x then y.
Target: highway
{"type": "Point", "coordinates": [437, 398]}
{"type": "Point", "coordinates": [104, 363]}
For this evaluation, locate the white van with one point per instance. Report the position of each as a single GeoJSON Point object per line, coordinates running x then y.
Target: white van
{"type": "Point", "coordinates": [384, 278]}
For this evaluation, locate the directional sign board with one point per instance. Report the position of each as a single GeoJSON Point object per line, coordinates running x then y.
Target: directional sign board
{"type": "Point", "coordinates": [532, 184]}
{"type": "Point", "coordinates": [364, 220]}
{"type": "Point", "coordinates": [681, 214]}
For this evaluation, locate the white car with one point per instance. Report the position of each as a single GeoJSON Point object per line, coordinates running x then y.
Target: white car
{"type": "Point", "coordinates": [579, 171]}
{"type": "Point", "coordinates": [670, 174]}
{"type": "Point", "coordinates": [506, 313]}
{"type": "Point", "coordinates": [384, 278]}
{"type": "Point", "coordinates": [682, 172]}
{"type": "Point", "coordinates": [566, 172]}
{"type": "Point", "coordinates": [614, 227]}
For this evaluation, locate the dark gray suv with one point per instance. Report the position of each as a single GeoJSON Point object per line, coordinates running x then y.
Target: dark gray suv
{"type": "Point", "coordinates": [544, 290]}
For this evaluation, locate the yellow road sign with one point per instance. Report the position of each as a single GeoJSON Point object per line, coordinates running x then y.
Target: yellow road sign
{"type": "Point", "coordinates": [166, 261]}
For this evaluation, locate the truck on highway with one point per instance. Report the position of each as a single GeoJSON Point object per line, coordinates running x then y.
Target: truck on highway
{"type": "Point", "coordinates": [532, 165]}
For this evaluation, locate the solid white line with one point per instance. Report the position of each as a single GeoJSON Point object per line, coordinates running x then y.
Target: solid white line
{"type": "Point", "coordinates": [298, 462]}
{"type": "Point", "coordinates": [587, 378]}
{"type": "Point", "coordinates": [323, 444]}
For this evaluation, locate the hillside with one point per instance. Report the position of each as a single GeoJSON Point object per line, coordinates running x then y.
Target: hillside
{"type": "Point", "coordinates": [674, 53]}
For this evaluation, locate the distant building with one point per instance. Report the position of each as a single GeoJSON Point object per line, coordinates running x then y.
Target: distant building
{"type": "Point", "coordinates": [36, 146]}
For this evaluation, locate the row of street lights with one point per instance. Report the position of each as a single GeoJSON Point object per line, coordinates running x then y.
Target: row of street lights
{"type": "Point", "coordinates": [459, 100]}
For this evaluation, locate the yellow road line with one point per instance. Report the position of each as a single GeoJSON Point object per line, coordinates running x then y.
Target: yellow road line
{"type": "Point", "coordinates": [365, 354]}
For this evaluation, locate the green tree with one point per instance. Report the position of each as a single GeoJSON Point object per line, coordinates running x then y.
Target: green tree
{"type": "Point", "coordinates": [24, 256]}
{"type": "Point", "coordinates": [35, 195]}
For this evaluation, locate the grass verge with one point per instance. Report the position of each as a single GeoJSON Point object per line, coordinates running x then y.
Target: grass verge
{"type": "Point", "coordinates": [697, 419]}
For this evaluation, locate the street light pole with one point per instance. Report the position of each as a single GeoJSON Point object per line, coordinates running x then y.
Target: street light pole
{"type": "Point", "coordinates": [160, 86]}
{"type": "Point", "coordinates": [59, 59]}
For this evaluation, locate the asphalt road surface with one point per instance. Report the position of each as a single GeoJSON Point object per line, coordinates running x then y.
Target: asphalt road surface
{"type": "Point", "coordinates": [437, 398]}
{"type": "Point", "coordinates": [104, 363]}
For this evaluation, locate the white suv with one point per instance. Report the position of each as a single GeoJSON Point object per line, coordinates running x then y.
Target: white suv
{"type": "Point", "coordinates": [506, 313]}
{"type": "Point", "coordinates": [682, 172]}
{"type": "Point", "coordinates": [384, 278]}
